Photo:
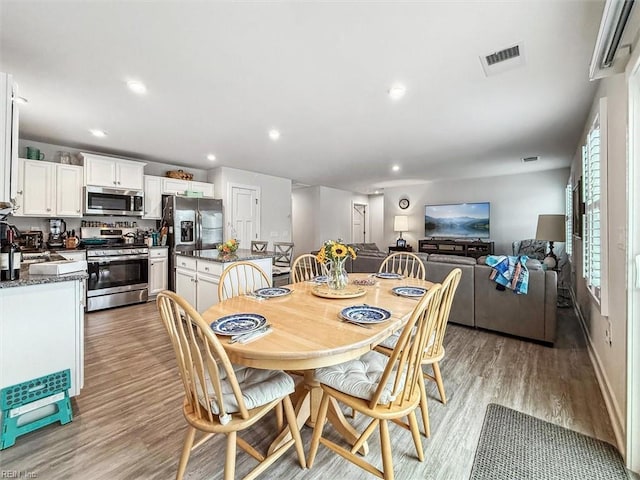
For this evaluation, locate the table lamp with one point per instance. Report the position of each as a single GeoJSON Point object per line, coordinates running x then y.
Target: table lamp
{"type": "Point", "coordinates": [551, 228]}
{"type": "Point", "coordinates": [401, 224]}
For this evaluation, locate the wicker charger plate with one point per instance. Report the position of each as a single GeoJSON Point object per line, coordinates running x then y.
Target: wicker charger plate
{"type": "Point", "coordinates": [350, 291]}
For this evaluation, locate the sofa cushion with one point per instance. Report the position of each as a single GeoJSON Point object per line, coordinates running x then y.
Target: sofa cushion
{"type": "Point", "coordinates": [531, 248]}
{"type": "Point", "coordinates": [457, 259]}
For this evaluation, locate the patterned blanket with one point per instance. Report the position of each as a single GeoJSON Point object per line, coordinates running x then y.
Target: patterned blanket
{"type": "Point", "coordinates": [509, 272]}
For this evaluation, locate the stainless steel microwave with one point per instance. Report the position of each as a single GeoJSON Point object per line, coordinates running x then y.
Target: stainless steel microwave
{"type": "Point", "coordinates": [113, 201]}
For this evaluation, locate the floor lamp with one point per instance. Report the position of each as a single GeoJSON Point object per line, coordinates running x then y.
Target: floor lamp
{"type": "Point", "coordinates": [551, 228]}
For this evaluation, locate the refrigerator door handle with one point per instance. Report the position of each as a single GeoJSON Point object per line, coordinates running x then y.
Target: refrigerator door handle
{"type": "Point", "coordinates": [198, 231]}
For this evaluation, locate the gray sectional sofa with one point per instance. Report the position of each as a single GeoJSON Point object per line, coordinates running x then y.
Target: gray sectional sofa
{"type": "Point", "coordinates": [478, 303]}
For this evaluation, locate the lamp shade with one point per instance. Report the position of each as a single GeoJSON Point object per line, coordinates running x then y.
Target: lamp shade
{"type": "Point", "coordinates": [401, 223]}
{"type": "Point", "coordinates": [551, 228]}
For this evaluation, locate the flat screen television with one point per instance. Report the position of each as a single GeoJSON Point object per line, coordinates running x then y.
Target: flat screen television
{"type": "Point", "coordinates": [457, 220]}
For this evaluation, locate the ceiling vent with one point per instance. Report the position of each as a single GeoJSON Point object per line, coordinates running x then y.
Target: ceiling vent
{"type": "Point", "coordinates": [530, 159]}
{"type": "Point", "coordinates": [503, 60]}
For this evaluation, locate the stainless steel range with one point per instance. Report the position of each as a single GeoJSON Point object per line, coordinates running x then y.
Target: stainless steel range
{"type": "Point", "coordinates": [118, 272]}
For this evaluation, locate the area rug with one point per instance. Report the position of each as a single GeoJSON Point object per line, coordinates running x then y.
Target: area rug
{"type": "Point", "coordinates": [516, 446]}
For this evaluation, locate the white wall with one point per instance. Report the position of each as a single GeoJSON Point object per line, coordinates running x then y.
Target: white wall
{"type": "Point", "coordinates": [275, 206]}
{"type": "Point", "coordinates": [516, 201]}
{"type": "Point", "coordinates": [610, 359]}
{"type": "Point", "coordinates": [322, 213]}
{"type": "Point", "coordinates": [303, 204]}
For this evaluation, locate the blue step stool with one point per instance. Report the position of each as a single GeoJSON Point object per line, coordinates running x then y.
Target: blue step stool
{"type": "Point", "coordinates": [26, 397]}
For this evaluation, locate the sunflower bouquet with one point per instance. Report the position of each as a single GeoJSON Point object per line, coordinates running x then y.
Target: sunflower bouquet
{"type": "Point", "coordinates": [335, 254]}
{"type": "Point", "coordinates": [230, 246]}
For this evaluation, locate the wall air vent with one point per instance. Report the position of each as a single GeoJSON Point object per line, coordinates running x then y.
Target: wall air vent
{"type": "Point", "coordinates": [530, 159]}
{"type": "Point", "coordinates": [502, 60]}
{"type": "Point", "coordinates": [503, 55]}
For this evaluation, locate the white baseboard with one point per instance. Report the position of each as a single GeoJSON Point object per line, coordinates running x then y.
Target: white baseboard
{"type": "Point", "coordinates": [617, 422]}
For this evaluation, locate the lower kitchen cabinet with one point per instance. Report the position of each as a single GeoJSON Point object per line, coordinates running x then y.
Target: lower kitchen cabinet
{"type": "Point", "coordinates": [158, 270]}
{"type": "Point", "coordinates": [197, 279]}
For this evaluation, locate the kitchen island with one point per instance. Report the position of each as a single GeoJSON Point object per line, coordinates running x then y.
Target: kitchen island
{"type": "Point", "coordinates": [198, 273]}
{"type": "Point", "coordinates": [42, 327]}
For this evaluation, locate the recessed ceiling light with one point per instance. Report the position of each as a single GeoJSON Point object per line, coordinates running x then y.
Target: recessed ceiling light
{"type": "Point", "coordinates": [98, 133]}
{"type": "Point", "coordinates": [395, 168]}
{"type": "Point", "coordinates": [397, 91]}
{"type": "Point", "coordinates": [274, 134]}
{"type": "Point", "coordinates": [137, 87]}
{"type": "Point", "coordinates": [211, 157]}
{"type": "Point", "coordinates": [20, 100]}
{"type": "Point", "coordinates": [377, 192]}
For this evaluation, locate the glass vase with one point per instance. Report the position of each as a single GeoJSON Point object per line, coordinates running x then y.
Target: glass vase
{"type": "Point", "coordinates": [337, 275]}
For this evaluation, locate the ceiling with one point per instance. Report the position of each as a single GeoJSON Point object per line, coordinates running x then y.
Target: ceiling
{"type": "Point", "coordinates": [221, 74]}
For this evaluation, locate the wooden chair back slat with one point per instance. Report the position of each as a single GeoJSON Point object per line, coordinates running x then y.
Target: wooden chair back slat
{"type": "Point", "coordinates": [405, 360]}
{"type": "Point", "coordinates": [306, 267]}
{"type": "Point", "coordinates": [449, 287]}
{"type": "Point", "coordinates": [259, 246]}
{"type": "Point", "coordinates": [404, 263]}
{"type": "Point", "coordinates": [283, 253]}
{"type": "Point", "coordinates": [241, 278]}
{"type": "Point", "coordinates": [200, 357]}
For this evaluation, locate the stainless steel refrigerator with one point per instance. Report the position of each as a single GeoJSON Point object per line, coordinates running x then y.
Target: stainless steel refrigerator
{"type": "Point", "coordinates": [193, 224]}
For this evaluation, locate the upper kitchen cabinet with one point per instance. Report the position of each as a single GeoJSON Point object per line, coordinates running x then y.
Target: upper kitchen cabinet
{"type": "Point", "coordinates": [152, 198]}
{"type": "Point", "coordinates": [113, 172]}
{"type": "Point", "coordinates": [173, 186]}
{"type": "Point", "coordinates": [8, 138]}
{"type": "Point", "coordinates": [48, 189]}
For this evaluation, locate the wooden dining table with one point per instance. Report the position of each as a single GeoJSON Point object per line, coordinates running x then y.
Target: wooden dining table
{"type": "Point", "coordinates": [308, 333]}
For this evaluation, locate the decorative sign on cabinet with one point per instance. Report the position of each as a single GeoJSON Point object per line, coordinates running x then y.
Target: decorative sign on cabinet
{"type": "Point", "coordinates": [48, 189]}
{"type": "Point", "coordinates": [113, 172]}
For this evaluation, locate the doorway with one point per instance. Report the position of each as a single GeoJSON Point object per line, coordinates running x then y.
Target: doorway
{"type": "Point", "coordinates": [359, 222]}
{"type": "Point", "coordinates": [244, 221]}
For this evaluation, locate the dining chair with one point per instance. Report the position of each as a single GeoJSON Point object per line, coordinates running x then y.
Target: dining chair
{"type": "Point", "coordinates": [404, 263]}
{"type": "Point", "coordinates": [221, 397]}
{"type": "Point", "coordinates": [259, 246]}
{"type": "Point", "coordinates": [380, 387]}
{"type": "Point", "coordinates": [306, 267]}
{"type": "Point", "coordinates": [241, 278]}
{"type": "Point", "coordinates": [282, 259]}
{"type": "Point", "coordinates": [434, 351]}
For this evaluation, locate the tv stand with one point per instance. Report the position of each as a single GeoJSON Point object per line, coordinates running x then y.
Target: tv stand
{"type": "Point", "coordinates": [462, 247]}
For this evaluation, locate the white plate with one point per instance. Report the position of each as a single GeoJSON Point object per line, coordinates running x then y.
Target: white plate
{"type": "Point", "coordinates": [365, 314]}
{"type": "Point", "coordinates": [269, 292]}
{"type": "Point", "coordinates": [409, 291]}
{"type": "Point", "coordinates": [389, 275]}
{"type": "Point", "coordinates": [238, 323]}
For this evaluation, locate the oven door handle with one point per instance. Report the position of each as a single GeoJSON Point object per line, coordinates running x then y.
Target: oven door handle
{"type": "Point", "coordinates": [117, 258]}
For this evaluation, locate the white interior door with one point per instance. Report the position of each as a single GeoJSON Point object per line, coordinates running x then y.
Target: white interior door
{"type": "Point", "coordinates": [359, 223]}
{"type": "Point", "coordinates": [245, 213]}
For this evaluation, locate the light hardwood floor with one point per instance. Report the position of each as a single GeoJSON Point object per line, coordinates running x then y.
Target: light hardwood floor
{"type": "Point", "coordinates": [128, 422]}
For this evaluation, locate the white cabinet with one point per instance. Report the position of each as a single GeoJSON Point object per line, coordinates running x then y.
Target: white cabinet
{"type": "Point", "coordinates": [152, 198]}
{"type": "Point", "coordinates": [48, 189]}
{"type": "Point", "coordinates": [158, 270]}
{"type": "Point", "coordinates": [8, 138]}
{"type": "Point", "coordinates": [113, 172]}
{"type": "Point", "coordinates": [69, 190]}
{"type": "Point", "coordinates": [197, 279]}
{"type": "Point", "coordinates": [174, 186]}
{"type": "Point", "coordinates": [42, 332]}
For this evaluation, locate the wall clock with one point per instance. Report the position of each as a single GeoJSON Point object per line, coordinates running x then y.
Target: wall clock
{"type": "Point", "coordinates": [403, 203]}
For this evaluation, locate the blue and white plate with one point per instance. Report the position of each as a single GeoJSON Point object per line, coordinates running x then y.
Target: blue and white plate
{"type": "Point", "coordinates": [365, 314]}
{"type": "Point", "coordinates": [269, 292]}
{"type": "Point", "coordinates": [409, 291]}
{"type": "Point", "coordinates": [320, 279]}
{"type": "Point", "coordinates": [238, 323]}
{"type": "Point", "coordinates": [389, 275]}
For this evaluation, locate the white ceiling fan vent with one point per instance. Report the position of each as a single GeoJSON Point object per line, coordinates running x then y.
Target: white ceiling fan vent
{"type": "Point", "coordinates": [530, 159]}
{"type": "Point", "coordinates": [503, 60]}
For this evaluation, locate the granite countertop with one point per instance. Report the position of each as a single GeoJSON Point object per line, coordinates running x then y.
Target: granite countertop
{"type": "Point", "coordinates": [215, 256]}
{"type": "Point", "coordinates": [27, 278]}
